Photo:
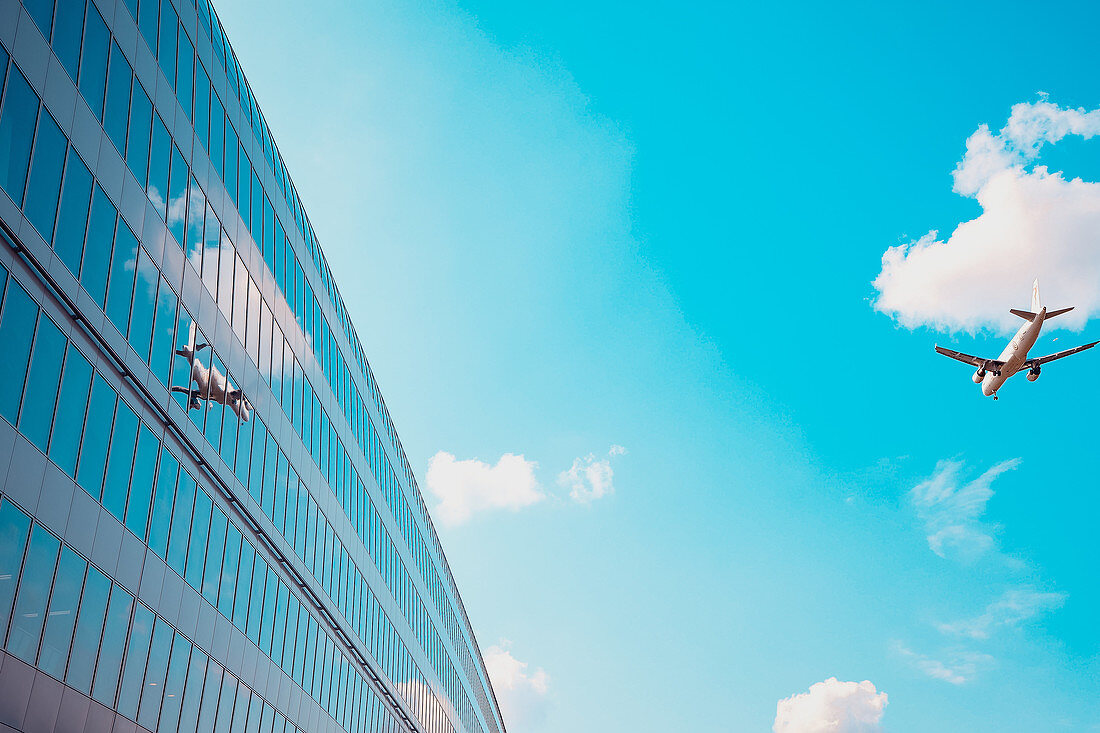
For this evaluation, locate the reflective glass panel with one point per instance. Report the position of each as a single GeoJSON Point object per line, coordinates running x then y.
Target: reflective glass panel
{"type": "Point", "coordinates": [61, 619]}
{"type": "Point", "coordinates": [144, 306]}
{"type": "Point", "coordinates": [93, 451]}
{"type": "Point", "coordinates": [97, 249]}
{"type": "Point", "coordinates": [163, 498]}
{"type": "Point", "coordinates": [76, 194]}
{"type": "Point", "coordinates": [137, 144]}
{"type": "Point", "coordinates": [16, 331]}
{"type": "Point", "coordinates": [89, 628]}
{"type": "Point", "coordinates": [181, 523]}
{"type": "Point", "coordinates": [137, 654]}
{"type": "Point", "coordinates": [17, 116]}
{"type": "Point", "coordinates": [164, 329]}
{"type": "Point", "coordinates": [153, 690]}
{"type": "Point", "coordinates": [141, 486]}
{"type": "Point", "coordinates": [66, 34]}
{"type": "Point", "coordinates": [14, 527]}
{"type": "Point", "coordinates": [43, 379]}
{"type": "Point", "coordinates": [114, 640]}
{"type": "Point", "coordinates": [93, 60]}
{"type": "Point", "coordinates": [120, 461]}
{"type": "Point", "coordinates": [120, 290]}
{"type": "Point", "coordinates": [72, 404]}
{"type": "Point", "coordinates": [166, 53]}
{"type": "Point", "coordinates": [174, 685]}
{"type": "Point", "coordinates": [44, 183]}
{"type": "Point", "coordinates": [116, 113]}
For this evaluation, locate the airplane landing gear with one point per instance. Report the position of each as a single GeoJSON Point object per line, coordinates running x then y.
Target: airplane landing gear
{"type": "Point", "coordinates": [995, 396]}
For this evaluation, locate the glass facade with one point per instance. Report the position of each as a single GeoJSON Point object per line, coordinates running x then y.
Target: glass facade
{"type": "Point", "coordinates": [207, 521]}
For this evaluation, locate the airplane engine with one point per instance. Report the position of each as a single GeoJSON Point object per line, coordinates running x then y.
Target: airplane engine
{"type": "Point", "coordinates": [978, 376]}
{"type": "Point", "coordinates": [1033, 374]}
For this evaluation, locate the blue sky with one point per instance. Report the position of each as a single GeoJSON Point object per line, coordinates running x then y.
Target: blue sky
{"type": "Point", "coordinates": [565, 227]}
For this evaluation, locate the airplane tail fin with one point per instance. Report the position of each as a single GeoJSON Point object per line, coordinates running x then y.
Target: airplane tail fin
{"type": "Point", "coordinates": [1036, 301]}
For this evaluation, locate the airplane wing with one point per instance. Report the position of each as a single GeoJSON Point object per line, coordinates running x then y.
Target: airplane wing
{"type": "Point", "coordinates": [1044, 359]}
{"type": "Point", "coordinates": [974, 361]}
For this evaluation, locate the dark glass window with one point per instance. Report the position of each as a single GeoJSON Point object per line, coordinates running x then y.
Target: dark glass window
{"type": "Point", "coordinates": [144, 307]}
{"type": "Point", "coordinates": [217, 130]}
{"type": "Point", "coordinates": [58, 636]}
{"type": "Point", "coordinates": [120, 290]}
{"type": "Point", "coordinates": [148, 14]}
{"type": "Point", "coordinates": [137, 655]}
{"type": "Point", "coordinates": [42, 13]}
{"type": "Point", "coordinates": [44, 183]}
{"type": "Point", "coordinates": [181, 523]}
{"type": "Point", "coordinates": [93, 61]}
{"type": "Point", "coordinates": [120, 461]}
{"type": "Point", "coordinates": [17, 116]}
{"type": "Point", "coordinates": [233, 541]}
{"type": "Point", "coordinates": [66, 34]}
{"type": "Point", "coordinates": [196, 551]}
{"type": "Point", "coordinates": [34, 590]}
{"type": "Point", "coordinates": [244, 183]}
{"type": "Point", "coordinates": [160, 161]}
{"type": "Point", "coordinates": [215, 552]}
{"type": "Point", "coordinates": [177, 197]}
{"type": "Point", "coordinates": [230, 174]}
{"type": "Point", "coordinates": [159, 653]}
{"type": "Point", "coordinates": [43, 379]}
{"type": "Point", "coordinates": [89, 628]}
{"type": "Point", "coordinates": [76, 197]}
{"type": "Point", "coordinates": [174, 684]}
{"type": "Point", "coordinates": [97, 249]}
{"type": "Point", "coordinates": [202, 106]}
{"type": "Point", "coordinates": [185, 73]}
{"type": "Point", "coordinates": [243, 584]}
{"type": "Point", "coordinates": [14, 527]}
{"type": "Point", "coordinates": [192, 696]}
{"type": "Point", "coordinates": [93, 450]}
{"type": "Point", "coordinates": [141, 485]}
{"type": "Point", "coordinates": [116, 113]}
{"type": "Point", "coordinates": [110, 651]}
{"type": "Point", "coordinates": [166, 53]}
{"type": "Point", "coordinates": [164, 329]}
{"type": "Point", "coordinates": [76, 384]}
{"type": "Point", "coordinates": [141, 118]}
{"type": "Point", "coordinates": [16, 331]}
{"type": "Point", "coordinates": [162, 503]}
{"type": "Point", "coordinates": [131, 5]}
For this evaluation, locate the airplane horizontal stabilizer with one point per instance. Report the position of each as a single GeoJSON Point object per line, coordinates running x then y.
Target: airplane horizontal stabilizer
{"type": "Point", "coordinates": [1029, 316]}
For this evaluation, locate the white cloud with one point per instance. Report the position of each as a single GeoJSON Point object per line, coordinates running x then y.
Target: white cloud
{"type": "Point", "coordinates": [951, 509]}
{"type": "Point", "coordinates": [1034, 223]}
{"type": "Point", "coordinates": [832, 706]}
{"type": "Point", "coordinates": [464, 488]}
{"type": "Point", "coordinates": [590, 478]}
{"type": "Point", "coordinates": [522, 694]}
{"type": "Point", "coordinates": [1013, 608]}
{"type": "Point", "coordinates": [958, 668]}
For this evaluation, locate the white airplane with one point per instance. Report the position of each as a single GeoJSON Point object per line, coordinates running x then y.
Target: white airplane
{"type": "Point", "coordinates": [211, 384]}
{"type": "Point", "coordinates": [992, 373]}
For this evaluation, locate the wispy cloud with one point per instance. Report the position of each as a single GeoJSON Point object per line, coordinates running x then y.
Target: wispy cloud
{"type": "Point", "coordinates": [832, 706]}
{"type": "Point", "coordinates": [590, 478]}
{"type": "Point", "coordinates": [951, 509]}
{"type": "Point", "coordinates": [957, 667]}
{"type": "Point", "coordinates": [522, 693]}
{"type": "Point", "coordinates": [464, 488]}
{"type": "Point", "coordinates": [1034, 223]}
{"type": "Point", "coordinates": [1014, 607]}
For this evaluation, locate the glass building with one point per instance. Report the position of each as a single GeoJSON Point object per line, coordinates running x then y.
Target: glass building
{"type": "Point", "coordinates": [207, 522]}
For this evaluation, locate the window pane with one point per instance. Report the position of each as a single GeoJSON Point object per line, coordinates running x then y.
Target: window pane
{"type": "Point", "coordinates": [162, 502]}
{"type": "Point", "coordinates": [141, 486]}
{"type": "Point", "coordinates": [166, 53]}
{"type": "Point", "coordinates": [243, 585]}
{"type": "Point", "coordinates": [14, 527]}
{"type": "Point", "coordinates": [89, 627]}
{"type": "Point", "coordinates": [164, 329]}
{"type": "Point", "coordinates": [93, 61]}
{"type": "Point", "coordinates": [61, 619]}
{"type": "Point", "coordinates": [42, 383]}
{"type": "Point", "coordinates": [196, 551]}
{"type": "Point", "coordinates": [202, 106]}
{"type": "Point", "coordinates": [16, 330]}
{"type": "Point", "coordinates": [217, 127]}
{"type": "Point", "coordinates": [229, 570]}
{"type": "Point", "coordinates": [110, 652]}
{"type": "Point", "coordinates": [215, 552]}
{"type": "Point", "coordinates": [42, 13]}
{"type": "Point", "coordinates": [34, 590]}
{"type": "Point", "coordinates": [196, 212]}
{"type": "Point", "coordinates": [76, 196]}
{"type": "Point", "coordinates": [93, 451]}
{"type": "Point", "coordinates": [17, 118]}
{"type": "Point", "coordinates": [160, 160]}
{"type": "Point", "coordinates": [185, 73]}
{"type": "Point", "coordinates": [174, 681]}
{"type": "Point", "coordinates": [144, 306]}
{"type": "Point", "coordinates": [212, 233]}
{"type": "Point", "coordinates": [148, 14]}
{"type": "Point", "coordinates": [121, 285]}
{"type": "Point", "coordinates": [181, 523]}
{"type": "Point", "coordinates": [116, 114]}
{"type": "Point", "coordinates": [44, 184]}
{"type": "Point", "coordinates": [137, 144]}
{"type": "Point", "coordinates": [211, 690]}
{"type": "Point", "coordinates": [76, 384]}
{"type": "Point", "coordinates": [153, 691]}
{"type": "Point", "coordinates": [192, 696]}
{"type": "Point", "coordinates": [177, 197]}
{"type": "Point", "coordinates": [225, 704]}
{"type": "Point", "coordinates": [97, 250]}
{"type": "Point", "coordinates": [66, 34]}
{"type": "Point", "coordinates": [137, 654]}
{"type": "Point", "coordinates": [120, 461]}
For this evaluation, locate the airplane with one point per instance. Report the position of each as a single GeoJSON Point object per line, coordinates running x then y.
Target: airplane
{"type": "Point", "coordinates": [992, 373]}
{"type": "Point", "coordinates": [212, 385]}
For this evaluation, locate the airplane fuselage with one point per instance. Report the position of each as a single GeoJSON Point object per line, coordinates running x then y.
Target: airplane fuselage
{"type": "Point", "coordinates": [1015, 354]}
